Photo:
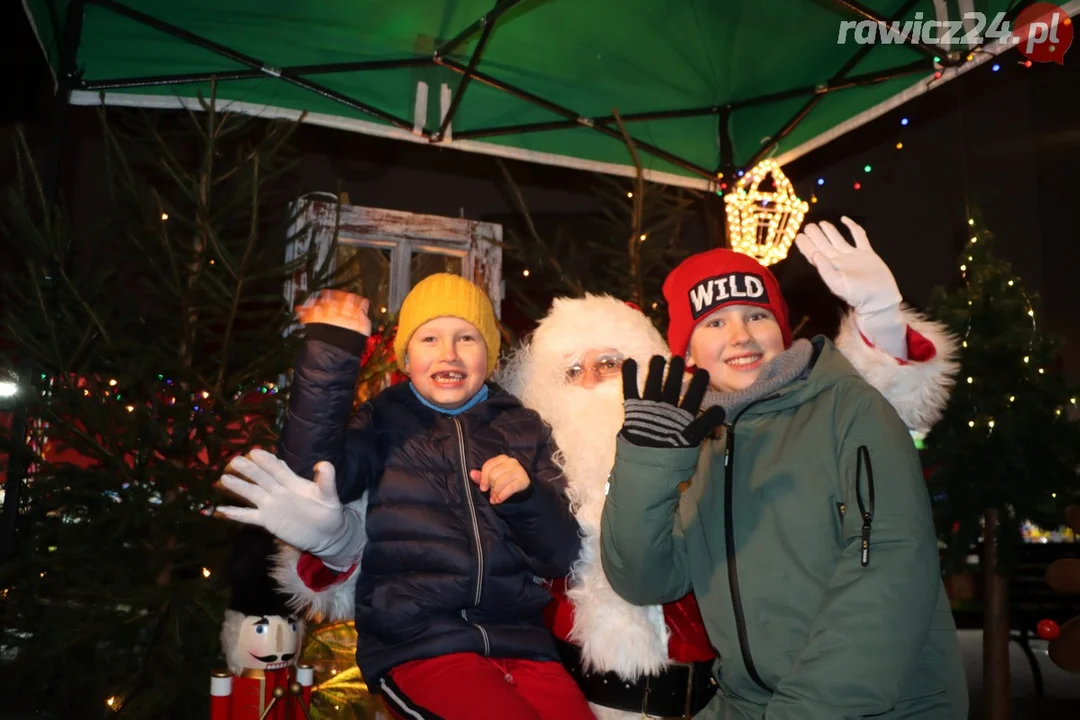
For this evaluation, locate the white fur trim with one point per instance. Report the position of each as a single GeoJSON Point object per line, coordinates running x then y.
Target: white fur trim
{"type": "Point", "coordinates": [575, 325]}
{"type": "Point", "coordinates": [918, 390]}
{"type": "Point", "coordinates": [614, 636]}
{"type": "Point", "coordinates": [336, 602]}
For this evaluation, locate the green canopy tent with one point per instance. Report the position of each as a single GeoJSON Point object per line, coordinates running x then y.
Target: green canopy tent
{"type": "Point", "coordinates": [704, 86]}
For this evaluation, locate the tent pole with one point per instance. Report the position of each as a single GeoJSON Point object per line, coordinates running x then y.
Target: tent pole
{"type": "Point", "coordinates": [715, 213]}
{"type": "Point", "coordinates": [459, 93]}
{"type": "Point", "coordinates": [784, 131]}
{"type": "Point", "coordinates": [871, 78]}
{"type": "Point", "coordinates": [251, 62]}
{"type": "Point", "coordinates": [489, 20]}
{"type": "Point", "coordinates": [840, 81]}
{"type": "Point", "coordinates": [577, 119]}
{"type": "Point", "coordinates": [832, 86]}
{"type": "Point", "coordinates": [67, 80]}
{"type": "Point", "coordinates": [727, 147]}
{"type": "Point", "coordinates": [158, 80]}
{"type": "Point", "coordinates": [567, 124]}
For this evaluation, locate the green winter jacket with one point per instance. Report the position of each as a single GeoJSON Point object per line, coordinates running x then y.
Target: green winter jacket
{"type": "Point", "coordinates": [805, 625]}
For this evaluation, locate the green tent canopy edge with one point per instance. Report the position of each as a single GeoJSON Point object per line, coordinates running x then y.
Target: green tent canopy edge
{"type": "Point", "coordinates": [692, 146]}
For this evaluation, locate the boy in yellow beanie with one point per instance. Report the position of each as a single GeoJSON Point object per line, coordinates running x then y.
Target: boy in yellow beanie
{"type": "Point", "coordinates": [464, 506]}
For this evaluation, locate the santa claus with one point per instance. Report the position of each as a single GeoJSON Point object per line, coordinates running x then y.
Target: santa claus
{"type": "Point", "coordinates": [656, 661]}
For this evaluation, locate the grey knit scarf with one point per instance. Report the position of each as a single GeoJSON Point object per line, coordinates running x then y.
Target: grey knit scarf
{"type": "Point", "coordinates": [777, 373]}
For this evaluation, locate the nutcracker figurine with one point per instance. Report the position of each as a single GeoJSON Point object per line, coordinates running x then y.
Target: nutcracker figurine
{"type": "Point", "coordinates": [260, 637]}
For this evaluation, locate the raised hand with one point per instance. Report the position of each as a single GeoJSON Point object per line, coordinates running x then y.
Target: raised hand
{"type": "Point", "coordinates": [855, 274]}
{"type": "Point", "coordinates": [302, 513]}
{"type": "Point", "coordinates": [337, 307]}
{"type": "Point", "coordinates": [657, 418]}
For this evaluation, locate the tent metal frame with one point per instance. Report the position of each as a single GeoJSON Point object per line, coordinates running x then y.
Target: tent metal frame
{"type": "Point", "coordinates": [300, 76]}
{"type": "Point", "coordinates": [840, 78]}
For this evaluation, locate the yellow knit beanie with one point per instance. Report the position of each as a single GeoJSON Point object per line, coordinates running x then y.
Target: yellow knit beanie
{"type": "Point", "coordinates": [446, 295]}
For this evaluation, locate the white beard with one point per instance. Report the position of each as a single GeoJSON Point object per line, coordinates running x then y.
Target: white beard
{"type": "Point", "coordinates": [614, 635]}
{"type": "Point", "coordinates": [584, 424]}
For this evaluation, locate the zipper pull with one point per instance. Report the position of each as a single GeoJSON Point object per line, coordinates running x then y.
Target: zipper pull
{"type": "Point", "coordinates": [867, 518]}
{"type": "Point", "coordinates": [867, 510]}
{"type": "Point", "coordinates": [728, 441]}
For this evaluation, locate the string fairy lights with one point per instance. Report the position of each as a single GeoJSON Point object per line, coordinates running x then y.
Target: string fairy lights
{"type": "Point", "coordinates": [966, 273]}
{"type": "Point", "coordinates": [905, 122]}
{"type": "Point", "coordinates": [100, 390]}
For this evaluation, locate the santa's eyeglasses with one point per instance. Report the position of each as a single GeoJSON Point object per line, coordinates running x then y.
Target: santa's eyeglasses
{"type": "Point", "coordinates": [602, 365]}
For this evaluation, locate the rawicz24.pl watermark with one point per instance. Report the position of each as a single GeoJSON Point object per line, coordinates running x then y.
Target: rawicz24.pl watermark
{"type": "Point", "coordinates": [1042, 32]}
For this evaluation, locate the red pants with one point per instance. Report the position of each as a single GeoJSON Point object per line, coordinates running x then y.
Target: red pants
{"type": "Point", "coordinates": [466, 686]}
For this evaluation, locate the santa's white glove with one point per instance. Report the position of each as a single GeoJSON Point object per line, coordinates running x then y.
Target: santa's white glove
{"type": "Point", "coordinates": [859, 277]}
{"type": "Point", "coordinates": [304, 514]}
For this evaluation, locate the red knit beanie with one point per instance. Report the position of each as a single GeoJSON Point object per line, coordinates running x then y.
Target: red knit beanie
{"type": "Point", "coordinates": [714, 279]}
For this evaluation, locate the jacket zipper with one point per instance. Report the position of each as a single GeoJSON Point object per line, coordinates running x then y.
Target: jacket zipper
{"type": "Point", "coordinates": [867, 509]}
{"type": "Point", "coordinates": [729, 547]}
{"type": "Point", "coordinates": [483, 632]}
{"type": "Point", "coordinates": [476, 533]}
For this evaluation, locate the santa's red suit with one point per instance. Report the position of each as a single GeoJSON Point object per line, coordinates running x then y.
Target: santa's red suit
{"type": "Point", "coordinates": [632, 660]}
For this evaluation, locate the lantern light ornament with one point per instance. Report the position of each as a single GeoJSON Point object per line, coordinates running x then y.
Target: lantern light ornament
{"type": "Point", "coordinates": [764, 224]}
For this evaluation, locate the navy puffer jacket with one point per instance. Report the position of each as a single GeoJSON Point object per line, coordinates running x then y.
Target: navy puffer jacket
{"type": "Point", "coordinates": [443, 570]}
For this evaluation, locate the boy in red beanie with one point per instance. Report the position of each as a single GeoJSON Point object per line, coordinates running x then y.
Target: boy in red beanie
{"type": "Point", "coordinates": [805, 532]}
{"type": "Point", "coordinates": [716, 290]}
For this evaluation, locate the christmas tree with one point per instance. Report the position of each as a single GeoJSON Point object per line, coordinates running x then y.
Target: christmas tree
{"type": "Point", "coordinates": [1008, 440]}
{"type": "Point", "coordinates": [1007, 447]}
{"type": "Point", "coordinates": [157, 332]}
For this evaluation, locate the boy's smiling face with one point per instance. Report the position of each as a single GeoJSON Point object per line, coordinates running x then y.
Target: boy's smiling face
{"type": "Point", "coordinates": [734, 344]}
{"type": "Point", "coordinates": [447, 361]}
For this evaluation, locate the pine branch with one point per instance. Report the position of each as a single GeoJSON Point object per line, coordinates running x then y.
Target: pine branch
{"type": "Point", "coordinates": [240, 275]}
{"type": "Point", "coordinates": [176, 324]}
{"type": "Point", "coordinates": [575, 286]}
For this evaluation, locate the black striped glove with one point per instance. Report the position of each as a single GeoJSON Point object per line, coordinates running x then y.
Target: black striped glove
{"type": "Point", "coordinates": [658, 419]}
